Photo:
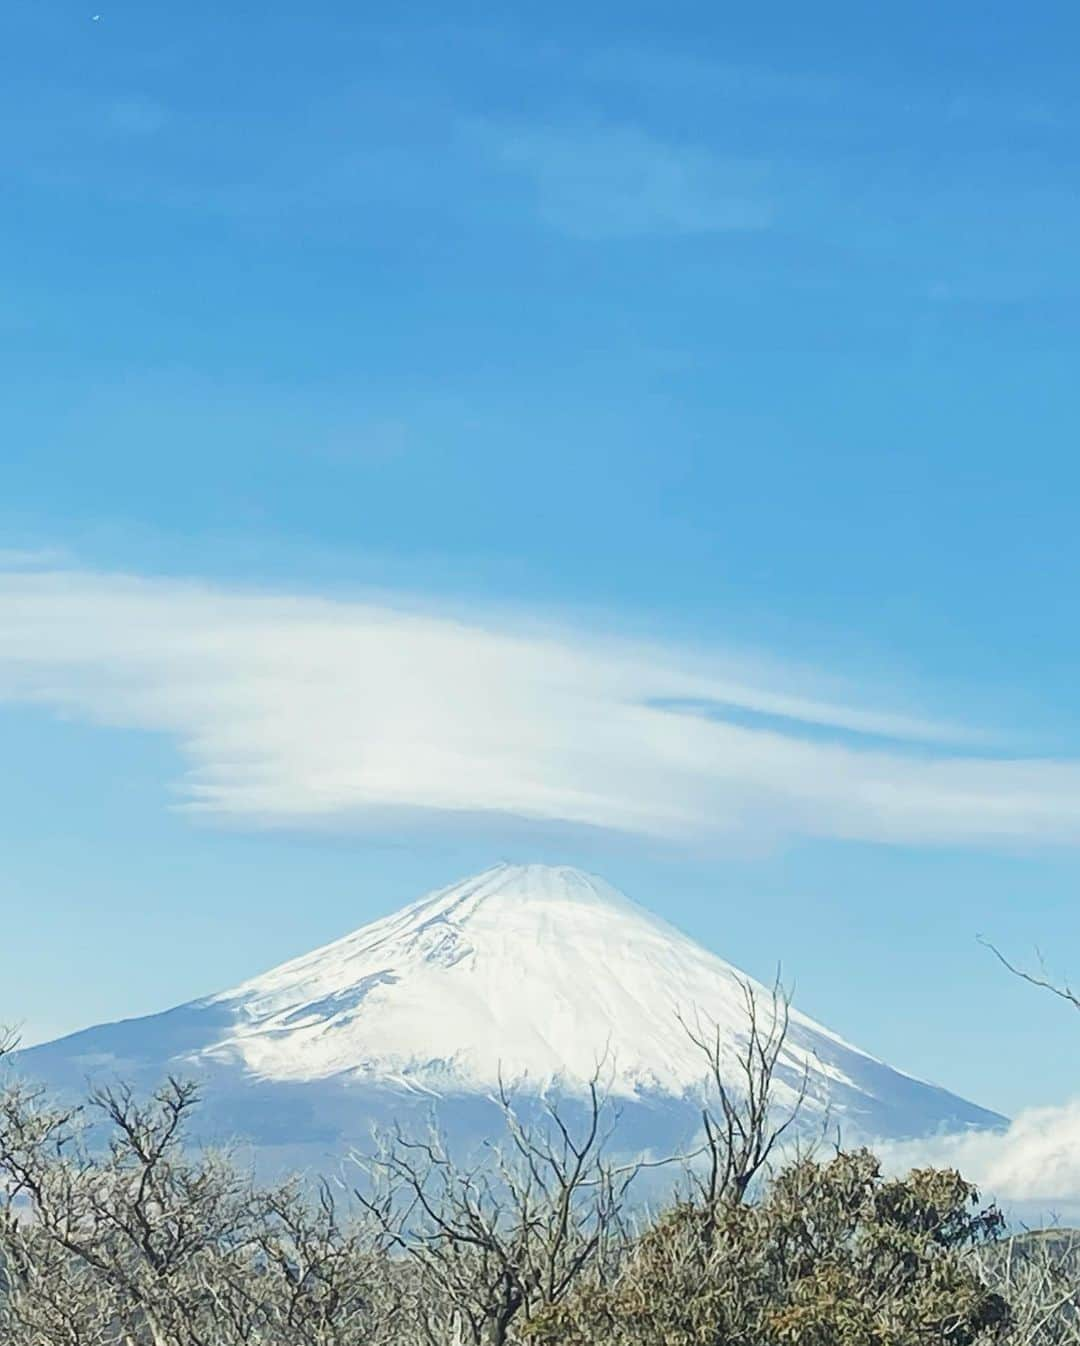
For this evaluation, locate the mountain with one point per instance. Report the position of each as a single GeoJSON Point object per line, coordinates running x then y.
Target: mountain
{"type": "Point", "coordinates": [532, 974]}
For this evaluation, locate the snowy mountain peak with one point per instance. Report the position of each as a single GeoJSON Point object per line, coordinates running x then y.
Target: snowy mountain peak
{"type": "Point", "coordinates": [535, 975]}
{"type": "Point", "coordinates": [518, 885]}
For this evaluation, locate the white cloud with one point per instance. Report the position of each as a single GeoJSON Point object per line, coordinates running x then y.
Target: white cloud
{"type": "Point", "coordinates": [293, 709]}
{"type": "Point", "coordinates": [619, 182]}
{"type": "Point", "coordinates": [1035, 1163]}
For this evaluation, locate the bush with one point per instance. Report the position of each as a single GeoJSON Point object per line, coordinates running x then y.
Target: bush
{"type": "Point", "coordinates": [832, 1255]}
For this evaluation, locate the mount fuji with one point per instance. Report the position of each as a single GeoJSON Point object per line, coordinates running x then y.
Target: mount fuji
{"type": "Point", "coordinates": [532, 975]}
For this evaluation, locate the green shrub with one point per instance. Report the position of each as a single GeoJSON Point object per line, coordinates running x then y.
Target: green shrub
{"type": "Point", "coordinates": [832, 1255]}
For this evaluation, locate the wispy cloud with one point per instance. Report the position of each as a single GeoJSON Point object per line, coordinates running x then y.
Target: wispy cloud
{"type": "Point", "coordinates": [293, 709]}
{"type": "Point", "coordinates": [619, 182]}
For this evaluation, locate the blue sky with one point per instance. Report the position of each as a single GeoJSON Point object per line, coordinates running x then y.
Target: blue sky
{"type": "Point", "coordinates": [724, 361]}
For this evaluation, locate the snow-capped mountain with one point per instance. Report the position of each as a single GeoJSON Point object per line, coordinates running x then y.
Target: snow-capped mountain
{"type": "Point", "coordinates": [531, 974]}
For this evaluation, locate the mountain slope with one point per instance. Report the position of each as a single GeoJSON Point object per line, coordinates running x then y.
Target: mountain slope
{"type": "Point", "coordinates": [536, 975]}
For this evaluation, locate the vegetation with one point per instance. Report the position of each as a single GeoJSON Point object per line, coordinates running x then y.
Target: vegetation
{"type": "Point", "coordinates": [831, 1255]}
{"type": "Point", "coordinates": [112, 1234]}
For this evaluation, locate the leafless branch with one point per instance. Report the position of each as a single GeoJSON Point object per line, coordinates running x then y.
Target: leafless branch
{"type": "Point", "coordinates": [1063, 991]}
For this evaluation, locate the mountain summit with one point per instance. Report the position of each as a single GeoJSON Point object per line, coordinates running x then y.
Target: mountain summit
{"type": "Point", "coordinates": [532, 974]}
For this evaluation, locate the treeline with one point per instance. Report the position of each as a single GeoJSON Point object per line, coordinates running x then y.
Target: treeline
{"type": "Point", "coordinates": [114, 1233]}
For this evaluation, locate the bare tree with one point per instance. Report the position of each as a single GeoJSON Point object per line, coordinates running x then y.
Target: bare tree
{"type": "Point", "coordinates": [742, 1126]}
{"type": "Point", "coordinates": [145, 1245]}
{"type": "Point", "coordinates": [1038, 1273]}
{"type": "Point", "coordinates": [135, 1221]}
{"type": "Point", "coordinates": [511, 1234]}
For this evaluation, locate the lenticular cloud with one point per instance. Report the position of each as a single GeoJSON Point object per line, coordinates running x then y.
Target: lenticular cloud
{"type": "Point", "coordinates": [299, 709]}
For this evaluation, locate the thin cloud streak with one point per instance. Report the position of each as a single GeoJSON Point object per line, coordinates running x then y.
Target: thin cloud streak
{"type": "Point", "coordinates": [303, 710]}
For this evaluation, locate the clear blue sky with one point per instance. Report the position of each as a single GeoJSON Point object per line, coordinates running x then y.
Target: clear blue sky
{"type": "Point", "coordinates": [746, 333]}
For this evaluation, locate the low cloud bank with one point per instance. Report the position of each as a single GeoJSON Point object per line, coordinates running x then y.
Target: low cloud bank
{"type": "Point", "coordinates": [1033, 1166]}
